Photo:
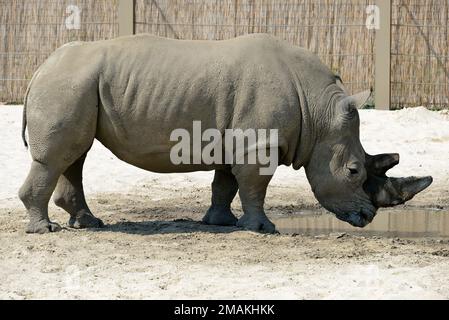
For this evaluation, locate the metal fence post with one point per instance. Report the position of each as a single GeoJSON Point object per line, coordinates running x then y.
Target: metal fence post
{"type": "Point", "coordinates": [126, 17]}
{"type": "Point", "coordinates": [383, 57]}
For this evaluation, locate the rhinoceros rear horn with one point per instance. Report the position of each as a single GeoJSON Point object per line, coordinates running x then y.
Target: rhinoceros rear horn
{"type": "Point", "coordinates": [381, 163]}
{"type": "Point", "coordinates": [389, 192]}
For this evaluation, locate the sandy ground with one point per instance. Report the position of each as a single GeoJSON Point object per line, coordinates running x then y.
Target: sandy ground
{"type": "Point", "coordinates": [153, 246]}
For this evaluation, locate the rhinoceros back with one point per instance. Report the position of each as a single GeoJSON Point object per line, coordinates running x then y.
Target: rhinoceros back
{"type": "Point", "coordinates": [150, 86]}
{"type": "Point", "coordinates": [146, 87]}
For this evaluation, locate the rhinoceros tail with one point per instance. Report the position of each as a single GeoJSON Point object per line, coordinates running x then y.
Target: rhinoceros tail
{"type": "Point", "coordinates": [24, 119]}
{"type": "Point", "coordinates": [25, 104]}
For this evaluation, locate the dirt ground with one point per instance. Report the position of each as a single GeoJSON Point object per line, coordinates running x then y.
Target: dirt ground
{"type": "Point", "coordinates": [154, 248]}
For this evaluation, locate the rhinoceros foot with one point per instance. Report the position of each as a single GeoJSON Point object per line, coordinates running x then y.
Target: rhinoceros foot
{"type": "Point", "coordinates": [257, 223]}
{"type": "Point", "coordinates": [42, 226]}
{"type": "Point", "coordinates": [220, 216]}
{"type": "Point", "coordinates": [86, 220]}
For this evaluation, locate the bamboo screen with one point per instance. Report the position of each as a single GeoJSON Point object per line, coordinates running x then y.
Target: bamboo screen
{"type": "Point", "coordinates": [31, 29]}
{"type": "Point", "coordinates": [420, 53]}
{"type": "Point", "coordinates": [333, 29]}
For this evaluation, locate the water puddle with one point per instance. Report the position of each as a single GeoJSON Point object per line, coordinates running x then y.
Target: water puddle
{"type": "Point", "coordinates": [403, 223]}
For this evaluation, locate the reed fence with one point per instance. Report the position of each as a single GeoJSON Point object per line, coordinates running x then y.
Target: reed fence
{"type": "Point", "coordinates": [31, 29]}
{"type": "Point", "coordinates": [420, 53]}
{"type": "Point", "coordinates": [333, 29]}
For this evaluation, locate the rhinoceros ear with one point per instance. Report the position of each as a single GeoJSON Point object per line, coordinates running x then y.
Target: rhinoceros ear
{"type": "Point", "coordinates": [361, 98]}
{"type": "Point", "coordinates": [340, 84]}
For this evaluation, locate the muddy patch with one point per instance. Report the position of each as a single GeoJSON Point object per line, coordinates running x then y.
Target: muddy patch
{"type": "Point", "coordinates": [392, 223]}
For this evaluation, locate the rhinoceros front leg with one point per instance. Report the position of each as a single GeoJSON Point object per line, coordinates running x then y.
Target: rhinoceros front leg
{"type": "Point", "coordinates": [252, 191]}
{"type": "Point", "coordinates": [224, 189]}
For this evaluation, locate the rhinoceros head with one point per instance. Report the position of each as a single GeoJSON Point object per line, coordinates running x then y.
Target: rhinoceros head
{"type": "Point", "coordinates": [349, 182]}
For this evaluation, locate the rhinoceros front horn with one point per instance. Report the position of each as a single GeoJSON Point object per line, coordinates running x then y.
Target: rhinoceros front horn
{"type": "Point", "coordinates": [379, 164]}
{"type": "Point", "coordinates": [389, 192]}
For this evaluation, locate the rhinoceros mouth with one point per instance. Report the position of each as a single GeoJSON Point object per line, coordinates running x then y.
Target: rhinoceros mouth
{"type": "Point", "coordinates": [358, 219]}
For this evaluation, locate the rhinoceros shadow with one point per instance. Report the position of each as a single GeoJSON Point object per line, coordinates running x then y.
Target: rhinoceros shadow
{"type": "Point", "coordinates": [177, 226]}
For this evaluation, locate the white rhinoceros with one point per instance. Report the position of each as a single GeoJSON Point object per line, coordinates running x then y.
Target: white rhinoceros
{"type": "Point", "coordinates": [132, 92]}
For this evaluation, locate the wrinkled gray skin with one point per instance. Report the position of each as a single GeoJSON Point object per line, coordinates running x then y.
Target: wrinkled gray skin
{"type": "Point", "coordinates": [131, 93]}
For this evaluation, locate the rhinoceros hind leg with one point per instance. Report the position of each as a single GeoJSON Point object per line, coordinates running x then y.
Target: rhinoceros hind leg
{"type": "Point", "coordinates": [35, 195]}
{"type": "Point", "coordinates": [224, 189]}
{"type": "Point", "coordinates": [69, 195]}
{"type": "Point", "coordinates": [252, 191]}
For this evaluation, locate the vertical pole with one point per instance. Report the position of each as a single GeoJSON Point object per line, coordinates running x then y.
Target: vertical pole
{"type": "Point", "coordinates": [383, 57]}
{"type": "Point", "coordinates": [126, 17]}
